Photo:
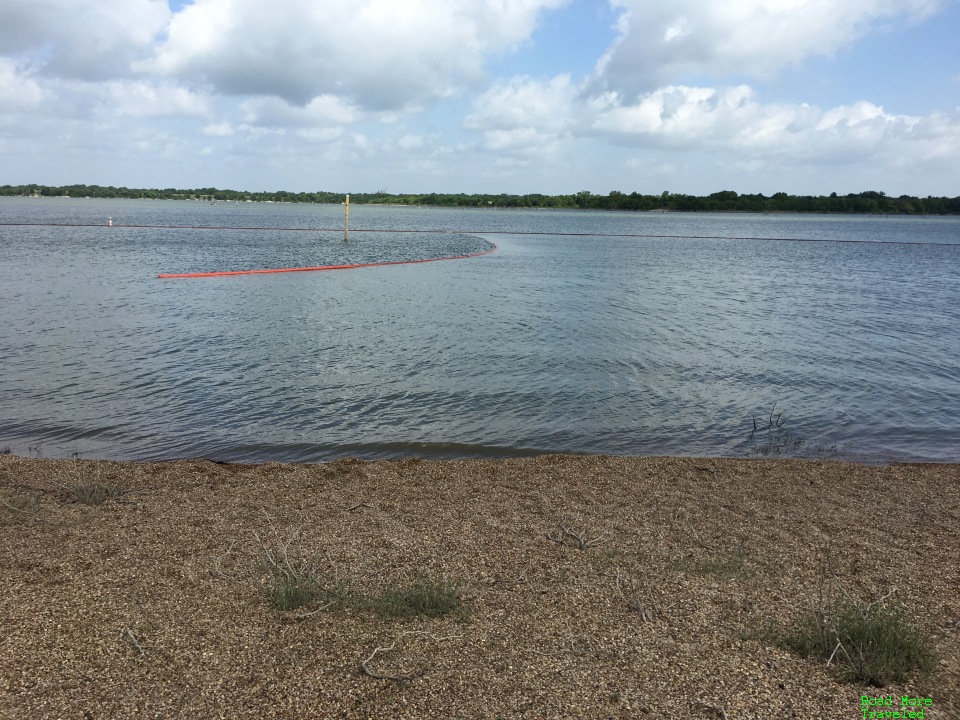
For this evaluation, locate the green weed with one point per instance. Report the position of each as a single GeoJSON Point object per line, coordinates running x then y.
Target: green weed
{"type": "Point", "coordinates": [424, 597]}
{"type": "Point", "coordinates": [289, 593]}
{"type": "Point", "coordinates": [92, 493]}
{"type": "Point", "coordinates": [870, 644]}
{"type": "Point", "coordinates": [730, 564]}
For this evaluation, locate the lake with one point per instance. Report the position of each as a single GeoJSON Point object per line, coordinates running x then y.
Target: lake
{"type": "Point", "coordinates": [585, 332]}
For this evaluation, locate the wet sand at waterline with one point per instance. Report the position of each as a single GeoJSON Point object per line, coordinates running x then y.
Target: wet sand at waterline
{"type": "Point", "coordinates": [155, 604]}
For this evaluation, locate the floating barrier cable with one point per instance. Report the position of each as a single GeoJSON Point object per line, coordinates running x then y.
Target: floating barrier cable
{"type": "Point", "coordinates": [483, 232]}
{"type": "Point", "coordinates": [493, 246]}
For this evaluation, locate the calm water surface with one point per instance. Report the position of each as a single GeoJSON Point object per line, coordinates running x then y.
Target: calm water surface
{"type": "Point", "coordinates": [667, 344]}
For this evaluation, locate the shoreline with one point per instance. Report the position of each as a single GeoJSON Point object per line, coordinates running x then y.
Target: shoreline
{"type": "Point", "coordinates": [451, 452]}
{"type": "Point", "coordinates": [154, 603]}
{"type": "Point", "coordinates": [870, 203]}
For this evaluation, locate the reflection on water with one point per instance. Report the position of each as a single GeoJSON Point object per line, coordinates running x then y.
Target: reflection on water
{"type": "Point", "coordinates": [635, 345]}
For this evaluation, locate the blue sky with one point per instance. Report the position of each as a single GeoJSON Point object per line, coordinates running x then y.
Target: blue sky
{"type": "Point", "coordinates": [552, 96]}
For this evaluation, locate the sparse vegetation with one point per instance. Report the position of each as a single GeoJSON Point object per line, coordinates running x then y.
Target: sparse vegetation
{"type": "Point", "coordinates": [294, 578]}
{"type": "Point", "coordinates": [772, 437]}
{"type": "Point", "coordinates": [92, 493]}
{"type": "Point", "coordinates": [639, 600]}
{"type": "Point", "coordinates": [296, 582]}
{"type": "Point", "coordinates": [89, 486]}
{"type": "Point", "coordinates": [578, 537]}
{"type": "Point", "coordinates": [872, 643]}
{"type": "Point", "coordinates": [19, 503]}
{"type": "Point", "coordinates": [429, 597]}
{"type": "Point", "coordinates": [728, 565]}
{"type": "Point", "coordinates": [291, 593]}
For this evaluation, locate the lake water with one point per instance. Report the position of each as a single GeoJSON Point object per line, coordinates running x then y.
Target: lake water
{"type": "Point", "coordinates": [674, 343]}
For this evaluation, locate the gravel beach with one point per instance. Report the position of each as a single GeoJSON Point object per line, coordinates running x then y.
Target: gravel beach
{"type": "Point", "coordinates": [590, 586]}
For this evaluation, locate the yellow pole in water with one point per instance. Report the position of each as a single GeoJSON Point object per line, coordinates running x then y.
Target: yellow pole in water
{"type": "Point", "coordinates": [346, 218]}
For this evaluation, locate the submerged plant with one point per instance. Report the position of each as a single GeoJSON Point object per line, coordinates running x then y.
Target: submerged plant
{"type": "Point", "coordinates": [773, 438]}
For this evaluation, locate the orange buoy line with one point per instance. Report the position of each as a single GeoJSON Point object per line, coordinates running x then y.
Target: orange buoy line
{"type": "Point", "coordinates": [224, 273]}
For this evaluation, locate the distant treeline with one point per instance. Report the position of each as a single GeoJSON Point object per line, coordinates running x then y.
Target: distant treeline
{"type": "Point", "coordinates": [725, 201]}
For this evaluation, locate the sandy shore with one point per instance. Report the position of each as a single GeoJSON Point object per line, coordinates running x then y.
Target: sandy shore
{"type": "Point", "coordinates": [155, 606]}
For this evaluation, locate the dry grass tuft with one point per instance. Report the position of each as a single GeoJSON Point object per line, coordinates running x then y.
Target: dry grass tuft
{"type": "Point", "coordinates": [865, 643]}
{"type": "Point", "coordinates": [92, 493]}
{"type": "Point", "coordinates": [425, 596]}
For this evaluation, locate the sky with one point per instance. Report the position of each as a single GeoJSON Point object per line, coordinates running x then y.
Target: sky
{"type": "Point", "coordinates": [484, 96]}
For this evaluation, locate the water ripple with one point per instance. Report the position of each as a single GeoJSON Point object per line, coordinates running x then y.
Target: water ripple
{"type": "Point", "coordinates": [556, 343]}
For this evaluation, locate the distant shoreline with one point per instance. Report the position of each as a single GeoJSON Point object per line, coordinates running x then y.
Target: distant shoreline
{"type": "Point", "coordinates": [864, 203]}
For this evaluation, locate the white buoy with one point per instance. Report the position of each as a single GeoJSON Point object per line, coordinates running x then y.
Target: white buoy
{"type": "Point", "coordinates": [109, 222]}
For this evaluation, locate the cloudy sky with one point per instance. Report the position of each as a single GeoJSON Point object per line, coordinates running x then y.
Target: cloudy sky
{"type": "Point", "coordinates": [516, 96]}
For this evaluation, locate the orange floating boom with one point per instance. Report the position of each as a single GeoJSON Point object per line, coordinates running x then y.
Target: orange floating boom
{"type": "Point", "coordinates": [224, 273]}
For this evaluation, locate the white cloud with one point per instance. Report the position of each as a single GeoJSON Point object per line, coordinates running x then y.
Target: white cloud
{"type": "Point", "coordinates": [18, 90]}
{"type": "Point", "coordinates": [322, 110]}
{"type": "Point", "coordinates": [733, 120]}
{"type": "Point", "coordinates": [82, 39]}
{"type": "Point", "coordinates": [138, 98]}
{"type": "Point", "coordinates": [34, 100]}
{"type": "Point", "coordinates": [526, 116]}
{"type": "Point", "coordinates": [377, 89]}
{"type": "Point", "coordinates": [223, 129]}
{"type": "Point", "coordinates": [257, 132]}
{"type": "Point", "coordinates": [513, 139]}
{"type": "Point", "coordinates": [667, 42]}
{"type": "Point", "coordinates": [524, 102]}
{"type": "Point", "coordinates": [676, 114]}
{"type": "Point", "coordinates": [320, 135]}
{"type": "Point", "coordinates": [377, 54]}
{"type": "Point", "coordinates": [649, 167]}
{"type": "Point", "coordinates": [410, 142]}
